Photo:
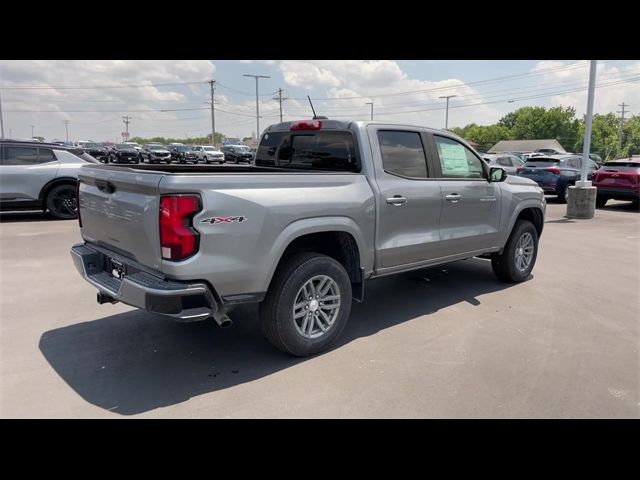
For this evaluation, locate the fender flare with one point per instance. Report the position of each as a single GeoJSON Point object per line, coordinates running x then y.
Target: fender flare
{"type": "Point", "coordinates": [310, 225]}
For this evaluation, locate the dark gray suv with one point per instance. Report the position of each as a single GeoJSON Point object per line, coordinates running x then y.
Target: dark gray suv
{"type": "Point", "coordinates": [36, 175]}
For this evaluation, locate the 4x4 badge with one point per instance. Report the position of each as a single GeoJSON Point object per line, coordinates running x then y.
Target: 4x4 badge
{"type": "Point", "coordinates": [232, 219]}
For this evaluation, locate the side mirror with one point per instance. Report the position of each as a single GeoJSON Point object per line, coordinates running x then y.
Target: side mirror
{"type": "Point", "coordinates": [497, 174]}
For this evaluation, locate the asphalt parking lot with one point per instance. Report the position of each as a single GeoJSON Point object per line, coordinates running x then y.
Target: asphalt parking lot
{"type": "Point", "coordinates": [444, 342]}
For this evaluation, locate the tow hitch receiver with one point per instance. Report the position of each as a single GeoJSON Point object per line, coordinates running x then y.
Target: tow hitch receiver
{"type": "Point", "coordinates": [104, 298]}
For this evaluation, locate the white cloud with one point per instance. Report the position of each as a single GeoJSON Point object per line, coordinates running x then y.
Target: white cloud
{"type": "Point", "coordinates": [614, 84]}
{"type": "Point", "coordinates": [375, 80]}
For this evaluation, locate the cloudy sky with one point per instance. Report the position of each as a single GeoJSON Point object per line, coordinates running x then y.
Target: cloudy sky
{"type": "Point", "coordinates": [168, 98]}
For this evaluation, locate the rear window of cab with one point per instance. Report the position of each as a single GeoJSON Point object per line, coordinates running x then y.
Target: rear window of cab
{"type": "Point", "coordinates": [326, 150]}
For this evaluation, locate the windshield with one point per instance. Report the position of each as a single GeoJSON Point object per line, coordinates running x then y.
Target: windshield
{"type": "Point", "coordinates": [542, 162]}
{"type": "Point", "coordinates": [622, 166]}
{"type": "Point", "coordinates": [182, 149]}
{"type": "Point", "coordinates": [124, 146]}
{"type": "Point", "coordinates": [156, 147]}
{"type": "Point", "coordinates": [92, 145]}
{"type": "Point", "coordinates": [243, 148]}
{"type": "Point", "coordinates": [209, 149]}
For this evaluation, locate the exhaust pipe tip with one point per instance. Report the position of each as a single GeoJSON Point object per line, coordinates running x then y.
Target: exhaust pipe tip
{"type": "Point", "coordinates": [222, 320]}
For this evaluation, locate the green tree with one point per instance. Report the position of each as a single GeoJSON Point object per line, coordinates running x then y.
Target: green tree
{"type": "Point", "coordinates": [531, 123]}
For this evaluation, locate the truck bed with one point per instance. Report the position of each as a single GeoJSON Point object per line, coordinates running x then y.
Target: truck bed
{"type": "Point", "coordinates": [204, 168]}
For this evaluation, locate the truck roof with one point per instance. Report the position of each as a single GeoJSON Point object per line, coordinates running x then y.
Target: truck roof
{"type": "Point", "coordinates": [329, 124]}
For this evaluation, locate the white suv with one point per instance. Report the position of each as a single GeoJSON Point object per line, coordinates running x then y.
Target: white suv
{"type": "Point", "coordinates": [208, 154]}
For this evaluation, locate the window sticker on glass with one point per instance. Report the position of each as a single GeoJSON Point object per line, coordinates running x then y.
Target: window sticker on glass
{"type": "Point", "coordinates": [454, 159]}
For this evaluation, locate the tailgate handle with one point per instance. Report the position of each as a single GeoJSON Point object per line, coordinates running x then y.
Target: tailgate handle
{"type": "Point", "coordinates": [104, 186]}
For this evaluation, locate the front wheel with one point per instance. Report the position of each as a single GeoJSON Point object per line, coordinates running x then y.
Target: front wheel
{"type": "Point", "coordinates": [307, 305]}
{"type": "Point", "coordinates": [516, 261]}
{"type": "Point", "coordinates": [62, 202]}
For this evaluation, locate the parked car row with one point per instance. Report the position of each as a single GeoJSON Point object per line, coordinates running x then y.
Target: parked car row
{"type": "Point", "coordinates": [617, 180]}
{"type": "Point", "coordinates": [130, 152]}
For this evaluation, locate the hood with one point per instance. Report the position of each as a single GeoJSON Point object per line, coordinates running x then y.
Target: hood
{"type": "Point", "coordinates": [160, 151]}
{"type": "Point", "coordinates": [517, 180]}
{"type": "Point", "coordinates": [126, 150]}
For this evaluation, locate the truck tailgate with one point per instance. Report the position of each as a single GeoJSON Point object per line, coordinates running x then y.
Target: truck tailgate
{"type": "Point", "coordinates": [119, 209]}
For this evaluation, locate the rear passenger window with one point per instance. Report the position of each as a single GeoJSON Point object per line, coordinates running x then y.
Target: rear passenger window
{"type": "Point", "coordinates": [456, 160]}
{"type": "Point", "coordinates": [20, 156]}
{"type": "Point", "coordinates": [402, 153]}
{"type": "Point", "coordinates": [504, 162]}
{"type": "Point", "coordinates": [45, 155]}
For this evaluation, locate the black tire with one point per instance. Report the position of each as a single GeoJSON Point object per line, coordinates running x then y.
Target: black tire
{"type": "Point", "coordinates": [601, 201]}
{"type": "Point", "coordinates": [206, 160]}
{"type": "Point", "coordinates": [504, 264]}
{"type": "Point", "coordinates": [276, 312]}
{"type": "Point", "coordinates": [564, 194]}
{"type": "Point", "coordinates": [61, 202]}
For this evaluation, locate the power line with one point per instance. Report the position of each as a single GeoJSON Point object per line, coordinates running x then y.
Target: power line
{"type": "Point", "coordinates": [478, 82]}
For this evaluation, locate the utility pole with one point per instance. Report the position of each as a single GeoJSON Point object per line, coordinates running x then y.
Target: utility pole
{"type": "Point", "coordinates": [446, 121]}
{"type": "Point", "coordinates": [213, 114]}
{"type": "Point", "coordinates": [257, 77]}
{"type": "Point", "coordinates": [126, 120]}
{"type": "Point", "coordinates": [66, 127]}
{"type": "Point", "coordinates": [620, 132]}
{"type": "Point", "coordinates": [370, 103]}
{"type": "Point", "coordinates": [1, 121]}
{"type": "Point", "coordinates": [280, 99]}
{"type": "Point", "coordinates": [32, 130]}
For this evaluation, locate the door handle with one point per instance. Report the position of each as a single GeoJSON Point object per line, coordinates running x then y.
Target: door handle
{"type": "Point", "coordinates": [104, 186]}
{"type": "Point", "coordinates": [453, 197]}
{"type": "Point", "coordinates": [397, 200]}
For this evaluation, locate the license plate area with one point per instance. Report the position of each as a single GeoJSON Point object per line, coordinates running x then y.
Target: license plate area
{"type": "Point", "coordinates": [116, 268]}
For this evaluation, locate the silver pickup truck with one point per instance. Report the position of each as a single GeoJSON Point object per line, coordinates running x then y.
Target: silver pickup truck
{"type": "Point", "coordinates": [326, 206]}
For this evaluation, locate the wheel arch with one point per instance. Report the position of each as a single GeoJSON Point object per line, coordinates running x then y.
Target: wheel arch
{"type": "Point", "coordinates": [338, 238]}
{"type": "Point", "coordinates": [54, 183]}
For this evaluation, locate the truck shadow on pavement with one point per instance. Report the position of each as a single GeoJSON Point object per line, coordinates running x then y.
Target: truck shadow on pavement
{"type": "Point", "coordinates": [135, 362]}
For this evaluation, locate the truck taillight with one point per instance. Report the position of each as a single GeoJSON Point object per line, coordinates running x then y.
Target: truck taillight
{"type": "Point", "coordinates": [306, 125]}
{"type": "Point", "coordinates": [78, 202]}
{"type": "Point", "coordinates": [554, 170]}
{"type": "Point", "coordinates": [519, 169]}
{"type": "Point", "coordinates": [178, 238]}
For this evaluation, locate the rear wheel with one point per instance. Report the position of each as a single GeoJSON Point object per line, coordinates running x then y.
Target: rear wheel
{"type": "Point", "coordinates": [601, 201]}
{"type": "Point", "coordinates": [564, 194]}
{"type": "Point", "coordinates": [516, 261]}
{"type": "Point", "coordinates": [307, 305]}
{"type": "Point", "coordinates": [61, 201]}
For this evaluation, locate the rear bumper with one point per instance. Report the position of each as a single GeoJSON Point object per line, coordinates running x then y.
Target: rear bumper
{"type": "Point", "coordinates": [186, 302]}
{"type": "Point", "coordinates": [618, 193]}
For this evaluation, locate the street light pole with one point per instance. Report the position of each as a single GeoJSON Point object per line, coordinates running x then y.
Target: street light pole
{"type": "Point", "coordinates": [66, 127]}
{"type": "Point", "coordinates": [582, 198]}
{"type": "Point", "coordinates": [446, 121]}
{"type": "Point", "coordinates": [32, 130]}
{"type": "Point", "coordinates": [370, 103]}
{"type": "Point", "coordinates": [587, 128]}
{"type": "Point", "coordinates": [257, 77]}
